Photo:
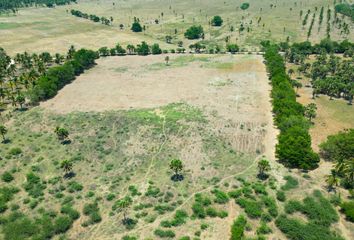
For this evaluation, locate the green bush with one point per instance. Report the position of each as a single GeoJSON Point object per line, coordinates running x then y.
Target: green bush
{"type": "Point", "coordinates": [294, 229]}
{"type": "Point", "coordinates": [198, 210]}
{"type": "Point", "coordinates": [245, 6]}
{"type": "Point", "coordinates": [74, 186]}
{"type": "Point", "coordinates": [62, 224]}
{"type": "Point", "coordinates": [348, 209]}
{"type": "Point", "coordinates": [7, 177]}
{"type": "Point", "coordinates": [281, 196]}
{"type": "Point", "coordinates": [34, 186]}
{"type": "Point", "coordinates": [220, 196]}
{"type": "Point", "coordinates": [72, 213]}
{"type": "Point", "coordinates": [252, 208]}
{"type": "Point", "coordinates": [264, 229]}
{"type": "Point", "coordinates": [291, 183]}
{"type": "Point", "coordinates": [238, 228]}
{"type": "Point", "coordinates": [164, 234]}
{"type": "Point", "coordinates": [216, 21]}
{"type": "Point", "coordinates": [15, 151]}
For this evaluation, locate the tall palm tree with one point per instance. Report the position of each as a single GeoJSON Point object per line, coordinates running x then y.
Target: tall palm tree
{"type": "Point", "coordinates": [3, 131]}
{"type": "Point", "coordinates": [348, 171]}
{"type": "Point", "coordinates": [263, 167]}
{"type": "Point", "coordinates": [123, 205]}
{"type": "Point", "coordinates": [67, 166]}
{"type": "Point", "coordinates": [332, 180]}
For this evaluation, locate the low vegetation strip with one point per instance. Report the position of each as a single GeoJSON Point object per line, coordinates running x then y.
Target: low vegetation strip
{"type": "Point", "coordinates": [345, 9]}
{"type": "Point", "coordinates": [294, 141]}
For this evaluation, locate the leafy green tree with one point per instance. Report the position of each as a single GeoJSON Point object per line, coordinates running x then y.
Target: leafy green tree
{"type": "Point", "coordinates": [3, 131]}
{"type": "Point", "coordinates": [194, 32]}
{"type": "Point", "coordinates": [263, 167]}
{"type": "Point", "coordinates": [136, 27]}
{"type": "Point", "coordinates": [310, 111]}
{"type": "Point", "coordinates": [217, 21]}
{"type": "Point", "coordinates": [232, 48]}
{"type": "Point", "coordinates": [155, 49]}
{"type": "Point", "coordinates": [20, 99]}
{"type": "Point", "coordinates": [67, 166]}
{"type": "Point", "coordinates": [245, 6]}
{"type": "Point", "coordinates": [176, 165]}
{"type": "Point", "coordinates": [61, 133]}
{"type": "Point", "coordinates": [143, 49]}
{"type": "Point", "coordinates": [123, 205]}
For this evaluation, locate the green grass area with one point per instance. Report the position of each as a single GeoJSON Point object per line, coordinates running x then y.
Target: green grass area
{"type": "Point", "coordinates": [338, 109]}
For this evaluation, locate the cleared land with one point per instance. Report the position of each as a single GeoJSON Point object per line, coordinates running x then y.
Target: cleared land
{"type": "Point", "coordinates": [54, 30]}
{"type": "Point", "coordinates": [201, 109]}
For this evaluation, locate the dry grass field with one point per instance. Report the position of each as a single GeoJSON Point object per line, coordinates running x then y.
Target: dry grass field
{"type": "Point", "coordinates": [55, 30]}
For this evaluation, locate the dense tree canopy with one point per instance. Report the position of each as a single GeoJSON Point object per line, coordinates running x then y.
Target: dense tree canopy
{"type": "Point", "coordinates": [216, 21]}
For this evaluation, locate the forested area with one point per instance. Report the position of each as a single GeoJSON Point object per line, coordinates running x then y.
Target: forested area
{"type": "Point", "coordinates": [32, 78]}
{"type": "Point", "coordinates": [294, 141]}
{"type": "Point", "coordinates": [13, 5]}
{"type": "Point", "coordinates": [331, 74]}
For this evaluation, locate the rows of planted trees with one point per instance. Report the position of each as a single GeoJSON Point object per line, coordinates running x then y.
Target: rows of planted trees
{"type": "Point", "coordinates": [332, 71]}
{"type": "Point", "coordinates": [294, 141]}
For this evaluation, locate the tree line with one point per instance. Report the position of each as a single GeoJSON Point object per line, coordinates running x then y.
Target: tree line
{"type": "Point", "coordinates": [294, 141]}
{"type": "Point", "coordinates": [92, 17]}
{"type": "Point", "coordinates": [13, 5]}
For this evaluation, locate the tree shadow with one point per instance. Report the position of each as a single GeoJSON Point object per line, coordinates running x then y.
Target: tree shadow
{"type": "Point", "coordinates": [23, 109]}
{"type": "Point", "coordinates": [262, 176]}
{"type": "Point", "coordinates": [69, 175]}
{"type": "Point", "coordinates": [66, 142]}
{"type": "Point", "coordinates": [177, 177]}
{"type": "Point", "coordinates": [6, 141]}
{"type": "Point", "coordinates": [129, 223]}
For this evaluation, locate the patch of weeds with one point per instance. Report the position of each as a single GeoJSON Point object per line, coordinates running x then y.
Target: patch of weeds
{"type": "Point", "coordinates": [134, 191]}
{"type": "Point", "coordinates": [7, 177]}
{"type": "Point", "coordinates": [220, 196]}
{"type": "Point", "coordinates": [34, 185]}
{"type": "Point", "coordinates": [238, 228]}
{"type": "Point", "coordinates": [263, 229]}
{"type": "Point", "coordinates": [74, 186]}
{"type": "Point", "coordinates": [163, 208]}
{"type": "Point", "coordinates": [178, 219]}
{"type": "Point", "coordinates": [259, 188]}
{"type": "Point", "coordinates": [6, 195]}
{"type": "Point", "coordinates": [110, 196]}
{"type": "Point", "coordinates": [348, 209]}
{"type": "Point", "coordinates": [252, 208]}
{"type": "Point", "coordinates": [281, 196]}
{"type": "Point", "coordinates": [152, 191]}
{"type": "Point", "coordinates": [91, 210]}
{"type": "Point", "coordinates": [291, 183]}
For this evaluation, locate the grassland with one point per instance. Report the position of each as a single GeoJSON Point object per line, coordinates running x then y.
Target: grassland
{"type": "Point", "coordinates": [54, 30]}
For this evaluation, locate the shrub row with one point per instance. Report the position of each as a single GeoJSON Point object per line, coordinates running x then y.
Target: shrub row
{"type": "Point", "coordinates": [294, 142]}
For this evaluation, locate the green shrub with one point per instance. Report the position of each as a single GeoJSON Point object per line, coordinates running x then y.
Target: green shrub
{"type": "Point", "coordinates": [238, 228]}
{"type": "Point", "coordinates": [281, 196]}
{"type": "Point", "coordinates": [211, 212]}
{"type": "Point", "coordinates": [245, 6]}
{"type": "Point", "coordinates": [252, 208]}
{"type": "Point", "coordinates": [291, 183]}
{"type": "Point", "coordinates": [34, 186]}
{"type": "Point", "coordinates": [72, 213]}
{"type": "Point", "coordinates": [110, 196]}
{"type": "Point", "coordinates": [220, 196]}
{"type": "Point", "coordinates": [62, 224]}
{"type": "Point", "coordinates": [264, 229]}
{"type": "Point", "coordinates": [74, 186]}
{"type": "Point", "coordinates": [164, 234]}
{"type": "Point", "coordinates": [235, 193]}
{"type": "Point", "coordinates": [7, 177]}
{"type": "Point", "coordinates": [294, 229]}
{"type": "Point", "coordinates": [348, 209]}
{"type": "Point", "coordinates": [198, 210]}
{"type": "Point", "coordinates": [15, 151]}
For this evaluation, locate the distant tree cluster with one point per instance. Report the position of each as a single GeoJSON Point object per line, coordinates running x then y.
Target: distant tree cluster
{"type": "Point", "coordinates": [216, 21]}
{"type": "Point", "coordinates": [13, 5]}
{"type": "Point", "coordinates": [345, 9]}
{"type": "Point", "coordinates": [294, 141]}
{"type": "Point", "coordinates": [92, 17]}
